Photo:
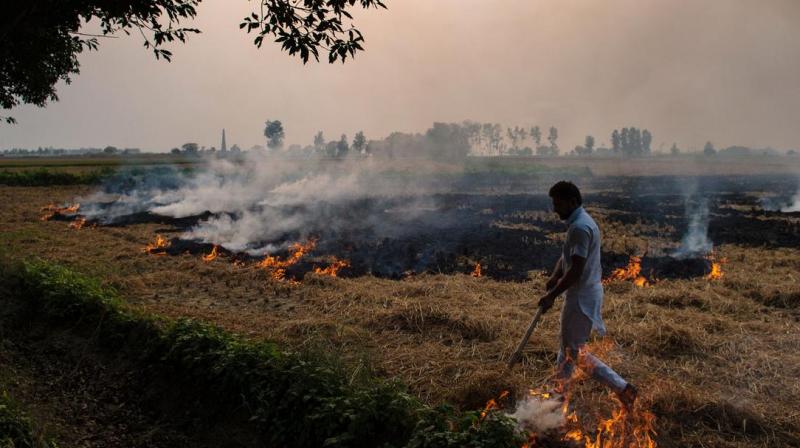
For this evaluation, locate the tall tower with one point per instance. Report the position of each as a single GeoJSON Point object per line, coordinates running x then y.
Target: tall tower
{"type": "Point", "coordinates": [223, 147]}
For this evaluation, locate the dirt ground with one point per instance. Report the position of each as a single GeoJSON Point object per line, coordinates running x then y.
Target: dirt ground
{"type": "Point", "coordinates": [717, 361]}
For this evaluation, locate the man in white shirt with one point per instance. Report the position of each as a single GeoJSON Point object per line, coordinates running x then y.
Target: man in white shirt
{"type": "Point", "coordinates": [579, 274]}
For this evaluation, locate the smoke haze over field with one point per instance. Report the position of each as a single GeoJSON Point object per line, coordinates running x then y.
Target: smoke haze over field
{"type": "Point", "coordinates": [690, 71]}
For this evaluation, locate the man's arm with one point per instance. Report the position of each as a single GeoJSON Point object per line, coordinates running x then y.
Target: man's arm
{"type": "Point", "coordinates": [566, 281]}
{"type": "Point", "coordinates": [558, 272]}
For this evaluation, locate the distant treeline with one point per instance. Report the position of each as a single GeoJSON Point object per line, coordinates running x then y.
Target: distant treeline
{"type": "Point", "coordinates": [49, 151]}
{"type": "Point", "coordinates": [453, 141]}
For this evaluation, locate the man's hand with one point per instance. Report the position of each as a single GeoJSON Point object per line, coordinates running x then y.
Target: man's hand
{"type": "Point", "coordinates": [551, 283]}
{"type": "Point", "coordinates": [546, 302]}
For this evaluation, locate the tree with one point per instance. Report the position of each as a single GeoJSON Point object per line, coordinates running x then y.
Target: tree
{"type": "Point", "coordinates": [616, 141]}
{"type": "Point", "coordinates": [635, 136]}
{"type": "Point", "coordinates": [273, 131]}
{"type": "Point", "coordinates": [175, 151]}
{"type": "Point", "coordinates": [647, 140]}
{"type": "Point", "coordinates": [40, 42]}
{"type": "Point", "coordinates": [319, 142]}
{"type": "Point", "coordinates": [536, 134]}
{"type": "Point", "coordinates": [674, 149]}
{"type": "Point", "coordinates": [332, 149]}
{"type": "Point", "coordinates": [451, 141]}
{"type": "Point", "coordinates": [342, 147]}
{"type": "Point", "coordinates": [359, 142]}
{"type": "Point", "coordinates": [491, 137]}
{"type": "Point", "coordinates": [709, 149]}
{"type": "Point", "coordinates": [589, 143]}
{"type": "Point", "coordinates": [189, 148]}
{"type": "Point", "coordinates": [110, 150]}
{"type": "Point", "coordinates": [552, 136]}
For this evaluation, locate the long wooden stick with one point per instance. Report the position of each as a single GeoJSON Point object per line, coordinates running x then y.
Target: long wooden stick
{"type": "Point", "coordinates": [517, 355]}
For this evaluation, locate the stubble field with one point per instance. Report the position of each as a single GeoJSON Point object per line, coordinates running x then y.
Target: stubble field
{"type": "Point", "coordinates": [716, 360]}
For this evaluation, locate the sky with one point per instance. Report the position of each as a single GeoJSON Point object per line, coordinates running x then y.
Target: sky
{"type": "Point", "coordinates": [688, 70]}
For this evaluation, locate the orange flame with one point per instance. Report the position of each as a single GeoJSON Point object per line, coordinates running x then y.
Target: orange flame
{"type": "Point", "coordinates": [334, 267]}
{"type": "Point", "coordinates": [211, 256]}
{"type": "Point", "coordinates": [716, 268]}
{"type": "Point", "coordinates": [623, 429]}
{"type": "Point", "coordinates": [158, 247]}
{"type": "Point", "coordinates": [492, 404]}
{"type": "Point", "coordinates": [631, 272]}
{"type": "Point", "coordinates": [277, 267]}
{"type": "Point", "coordinates": [52, 209]}
{"type": "Point", "coordinates": [477, 271]}
{"type": "Point", "coordinates": [78, 223]}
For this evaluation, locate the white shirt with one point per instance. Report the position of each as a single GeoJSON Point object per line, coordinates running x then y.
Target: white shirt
{"type": "Point", "coordinates": [583, 240]}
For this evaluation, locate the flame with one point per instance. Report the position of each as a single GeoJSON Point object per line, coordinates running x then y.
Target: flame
{"type": "Point", "coordinates": [78, 223]}
{"type": "Point", "coordinates": [158, 247]}
{"type": "Point", "coordinates": [211, 256]}
{"type": "Point", "coordinates": [477, 271]}
{"type": "Point", "coordinates": [52, 209]}
{"type": "Point", "coordinates": [334, 267]}
{"type": "Point", "coordinates": [631, 272]}
{"type": "Point", "coordinates": [277, 267]}
{"type": "Point", "coordinates": [623, 429]}
{"type": "Point", "coordinates": [492, 404]}
{"type": "Point", "coordinates": [716, 267]}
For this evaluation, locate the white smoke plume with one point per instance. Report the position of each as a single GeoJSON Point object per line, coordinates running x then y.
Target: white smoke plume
{"type": "Point", "coordinates": [695, 241]}
{"type": "Point", "coordinates": [539, 415]}
{"type": "Point", "coordinates": [251, 204]}
{"type": "Point", "coordinates": [794, 206]}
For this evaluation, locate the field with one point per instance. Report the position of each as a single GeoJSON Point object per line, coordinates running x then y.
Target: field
{"type": "Point", "coordinates": [715, 360]}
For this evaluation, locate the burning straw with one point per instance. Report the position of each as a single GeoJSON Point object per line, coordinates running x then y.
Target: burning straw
{"type": "Point", "coordinates": [549, 416]}
{"type": "Point", "coordinates": [631, 272]}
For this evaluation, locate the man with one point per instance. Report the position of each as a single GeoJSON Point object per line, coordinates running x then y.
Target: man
{"type": "Point", "coordinates": [578, 273]}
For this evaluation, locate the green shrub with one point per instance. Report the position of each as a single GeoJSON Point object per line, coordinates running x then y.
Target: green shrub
{"type": "Point", "coordinates": [290, 400]}
{"type": "Point", "coordinates": [15, 427]}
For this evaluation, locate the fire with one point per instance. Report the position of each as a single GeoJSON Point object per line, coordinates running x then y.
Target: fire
{"type": "Point", "coordinates": [78, 223]}
{"type": "Point", "coordinates": [716, 267]}
{"type": "Point", "coordinates": [622, 429]}
{"type": "Point", "coordinates": [334, 267]}
{"type": "Point", "coordinates": [52, 209]}
{"type": "Point", "coordinates": [277, 267]}
{"type": "Point", "coordinates": [477, 271]}
{"type": "Point", "coordinates": [492, 404]}
{"type": "Point", "coordinates": [631, 272]}
{"type": "Point", "coordinates": [211, 256]}
{"type": "Point", "coordinates": [158, 247]}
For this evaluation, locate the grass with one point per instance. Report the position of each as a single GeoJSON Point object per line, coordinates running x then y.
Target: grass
{"type": "Point", "coordinates": [43, 177]}
{"type": "Point", "coordinates": [291, 400]}
{"type": "Point", "coordinates": [16, 428]}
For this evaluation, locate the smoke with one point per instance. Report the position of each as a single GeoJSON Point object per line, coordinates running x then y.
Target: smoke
{"type": "Point", "coordinates": [261, 204]}
{"type": "Point", "coordinates": [695, 240]}
{"type": "Point", "coordinates": [795, 206]}
{"type": "Point", "coordinates": [535, 414]}
{"type": "Point", "coordinates": [776, 205]}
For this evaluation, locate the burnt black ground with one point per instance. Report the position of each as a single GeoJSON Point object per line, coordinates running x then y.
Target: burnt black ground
{"type": "Point", "coordinates": [514, 233]}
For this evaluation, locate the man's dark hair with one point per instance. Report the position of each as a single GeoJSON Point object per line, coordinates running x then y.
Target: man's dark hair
{"type": "Point", "coordinates": [566, 190]}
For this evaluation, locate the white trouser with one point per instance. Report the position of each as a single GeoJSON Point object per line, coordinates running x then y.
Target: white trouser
{"type": "Point", "coordinates": [576, 328]}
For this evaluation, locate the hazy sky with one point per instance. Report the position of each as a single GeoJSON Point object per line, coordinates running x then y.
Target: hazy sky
{"type": "Point", "coordinates": [689, 70]}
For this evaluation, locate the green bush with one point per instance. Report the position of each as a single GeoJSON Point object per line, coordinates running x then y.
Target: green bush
{"type": "Point", "coordinates": [289, 399]}
{"type": "Point", "coordinates": [15, 428]}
